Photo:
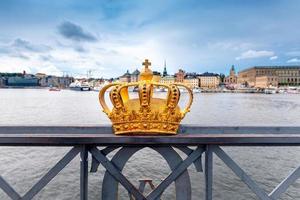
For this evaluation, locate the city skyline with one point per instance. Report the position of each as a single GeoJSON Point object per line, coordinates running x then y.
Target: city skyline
{"type": "Point", "coordinates": [109, 37]}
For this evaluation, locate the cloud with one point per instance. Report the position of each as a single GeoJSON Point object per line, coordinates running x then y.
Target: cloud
{"type": "Point", "coordinates": [80, 49]}
{"type": "Point", "coordinates": [75, 32]}
{"type": "Point", "coordinates": [20, 44]}
{"type": "Point", "coordinates": [19, 55]}
{"type": "Point", "coordinates": [46, 58]}
{"type": "Point", "coordinates": [293, 60]}
{"type": "Point", "coordinates": [255, 54]}
{"type": "Point", "coordinates": [22, 49]}
{"type": "Point", "coordinates": [273, 57]}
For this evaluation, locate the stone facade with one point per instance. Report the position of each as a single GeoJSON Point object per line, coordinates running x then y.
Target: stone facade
{"type": "Point", "coordinates": [232, 78]}
{"type": "Point", "coordinates": [191, 82]}
{"type": "Point", "coordinates": [266, 81]}
{"type": "Point", "coordinates": [286, 75]}
{"type": "Point", "coordinates": [167, 79]}
{"type": "Point", "coordinates": [156, 76]}
{"type": "Point", "coordinates": [209, 80]}
{"type": "Point", "coordinates": [54, 81]}
{"type": "Point", "coordinates": [125, 77]}
{"type": "Point", "coordinates": [179, 76]}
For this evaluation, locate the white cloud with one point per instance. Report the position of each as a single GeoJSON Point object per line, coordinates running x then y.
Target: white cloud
{"type": "Point", "coordinates": [293, 60]}
{"type": "Point", "coordinates": [255, 54]}
{"type": "Point", "coordinates": [273, 57]}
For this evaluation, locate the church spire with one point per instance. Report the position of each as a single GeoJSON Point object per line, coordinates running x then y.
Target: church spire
{"type": "Point", "coordinates": [165, 73]}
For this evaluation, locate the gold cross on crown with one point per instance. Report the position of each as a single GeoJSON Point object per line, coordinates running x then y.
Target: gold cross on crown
{"type": "Point", "coordinates": [147, 63]}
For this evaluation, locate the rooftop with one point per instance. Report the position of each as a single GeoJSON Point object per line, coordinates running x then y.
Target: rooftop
{"type": "Point", "coordinates": [273, 67]}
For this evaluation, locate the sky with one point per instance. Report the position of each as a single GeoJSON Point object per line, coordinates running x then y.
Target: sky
{"type": "Point", "coordinates": [108, 37]}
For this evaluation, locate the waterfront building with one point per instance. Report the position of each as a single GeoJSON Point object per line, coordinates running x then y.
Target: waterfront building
{"type": "Point", "coordinates": [65, 81]}
{"type": "Point", "coordinates": [169, 79]}
{"type": "Point", "coordinates": [191, 81]}
{"type": "Point", "coordinates": [135, 76]}
{"type": "Point", "coordinates": [209, 80]}
{"type": "Point", "coordinates": [40, 75]}
{"type": "Point", "coordinates": [286, 75]}
{"type": "Point", "coordinates": [54, 81]}
{"type": "Point", "coordinates": [266, 81]}
{"type": "Point", "coordinates": [22, 81]}
{"type": "Point", "coordinates": [232, 78]}
{"type": "Point", "coordinates": [156, 76]}
{"type": "Point", "coordinates": [179, 76]}
{"type": "Point", "coordinates": [125, 77]}
{"type": "Point", "coordinates": [2, 82]}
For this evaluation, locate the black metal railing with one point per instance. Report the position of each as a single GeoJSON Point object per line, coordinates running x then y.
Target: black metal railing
{"type": "Point", "coordinates": [194, 141]}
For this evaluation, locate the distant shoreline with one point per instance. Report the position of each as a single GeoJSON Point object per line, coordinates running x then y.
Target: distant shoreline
{"type": "Point", "coordinates": [237, 91]}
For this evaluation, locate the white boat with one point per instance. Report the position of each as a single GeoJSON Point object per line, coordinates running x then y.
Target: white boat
{"type": "Point", "coordinates": [270, 91]}
{"type": "Point", "coordinates": [80, 86]}
{"type": "Point", "coordinates": [281, 91]}
{"type": "Point", "coordinates": [182, 90]}
{"type": "Point", "coordinates": [293, 90]}
{"type": "Point", "coordinates": [54, 89]}
{"type": "Point", "coordinates": [196, 90]}
{"type": "Point", "coordinates": [161, 89]}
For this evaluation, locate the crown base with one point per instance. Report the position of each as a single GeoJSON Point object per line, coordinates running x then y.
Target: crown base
{"type": "Point", "coordinates": [141, 128]}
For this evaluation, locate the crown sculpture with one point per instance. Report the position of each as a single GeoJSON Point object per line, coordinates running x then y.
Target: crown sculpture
{"type": "Point", "coordinates": [144, 114]}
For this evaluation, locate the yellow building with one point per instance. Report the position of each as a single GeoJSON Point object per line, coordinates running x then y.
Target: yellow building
{"type": "Point", "coordinates": [266, 81]}
{"type": "Point", "coordinates": [167, 79]}
{"type": "Point", "coordinates": [209, 80]}
{"type": "Point", "coordinates": [126, 78]}
{"type": "Point", "coordinates": [191, 82]}
{"type": "Point", "coordinates": [286, 75]}
{"type": "Point", "coordinates": [156, 76]}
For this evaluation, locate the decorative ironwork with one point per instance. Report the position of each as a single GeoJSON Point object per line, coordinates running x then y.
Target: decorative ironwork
{"type": "Point", "coordinates": [178, 166]}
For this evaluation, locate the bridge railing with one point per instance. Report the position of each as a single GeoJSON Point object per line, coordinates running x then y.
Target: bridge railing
{"type": "Point", "coordinates": [194, 141]}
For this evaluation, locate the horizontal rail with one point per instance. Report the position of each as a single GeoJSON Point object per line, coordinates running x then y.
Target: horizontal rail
{"type": "Point", "coordinates": [86, 141]}
{"type": "Point", "coordinates": [188, 135]}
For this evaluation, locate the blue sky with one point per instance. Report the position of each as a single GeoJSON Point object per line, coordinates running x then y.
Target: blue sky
{"type": "Point", "coordinates": [109, 37]}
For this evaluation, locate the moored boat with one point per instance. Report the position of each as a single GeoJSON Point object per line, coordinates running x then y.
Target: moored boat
{"type": "Point", "coordinates": [80, 86]}
{"type": "Point", "coordinates": [54, 89]}
{"type": "Point", "coordinates": [196, 90]}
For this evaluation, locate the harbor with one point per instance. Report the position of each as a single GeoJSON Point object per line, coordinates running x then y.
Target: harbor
{"type": "Point", "coordinates": [44, 108]}
{"type": "Point", "coordinates": [149, 100]}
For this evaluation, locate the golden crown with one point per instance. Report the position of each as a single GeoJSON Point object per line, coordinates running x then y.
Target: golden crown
{"type": "Point", "coordinates": [145, 114]}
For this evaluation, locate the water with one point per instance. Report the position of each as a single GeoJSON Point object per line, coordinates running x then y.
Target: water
{"type": "Point", "coordinates": [23, 166]}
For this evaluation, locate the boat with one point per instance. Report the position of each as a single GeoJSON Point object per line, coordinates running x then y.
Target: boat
{"type": "Point", "coordinates": [97, 88]}
{"type": "Point", "coordinates": [196, 90]}
{"type": "Point", "coordinates": [292, 90]}
{"type": "Point", "coordinates": [270, 91]}
{"type": "Point", "coordinates": [160, 89]}
{"type": "Point", "coordinates": [182, 90]}
{"type": "Point", "coordinates": [80, 86]}
{"type": "Point", "coordinates": [54, 89]}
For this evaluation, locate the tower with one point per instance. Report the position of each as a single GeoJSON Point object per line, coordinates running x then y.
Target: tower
{"type": "Point", "coordinates": [165, 73]}
{"type": "Point", "coordinates": [232, 71]}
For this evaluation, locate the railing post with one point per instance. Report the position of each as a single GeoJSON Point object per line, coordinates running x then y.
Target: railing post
{"type": "Point", "coordinates": [208, 172]}
{"type": "Point", "coordinates": [84, 173]}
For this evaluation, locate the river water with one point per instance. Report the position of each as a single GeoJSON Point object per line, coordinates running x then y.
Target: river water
{"type": "Point", "coordinates": [23, 166]}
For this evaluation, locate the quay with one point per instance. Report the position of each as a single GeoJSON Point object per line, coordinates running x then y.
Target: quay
{"type": "Point", "coordinates": [195, 141]}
